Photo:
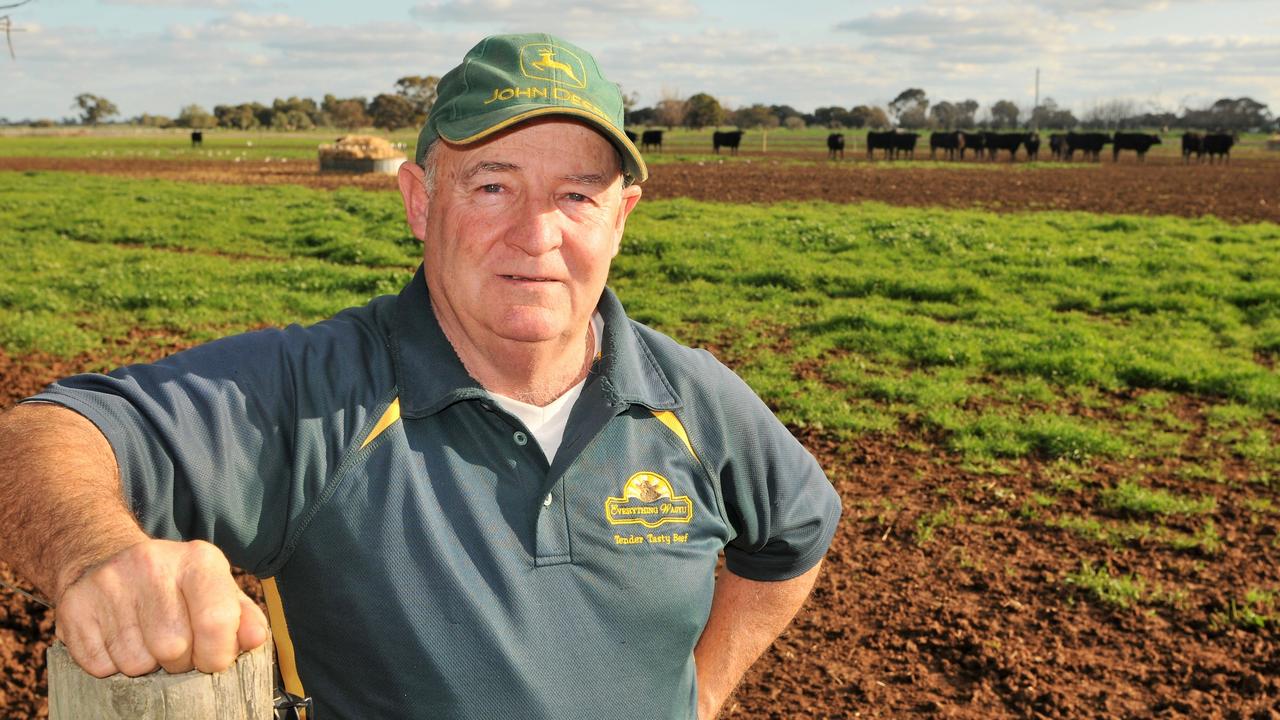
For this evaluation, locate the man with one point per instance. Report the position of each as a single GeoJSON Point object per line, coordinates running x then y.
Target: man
{"type": "Point", "coordinates": [490, 496]}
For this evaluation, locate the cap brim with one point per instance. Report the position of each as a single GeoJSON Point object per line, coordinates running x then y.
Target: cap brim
{"type": "Point", "coordinates": [633, 163]}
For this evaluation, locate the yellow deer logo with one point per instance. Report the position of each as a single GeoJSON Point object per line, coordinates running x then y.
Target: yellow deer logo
{"type": "Point", "coordinates": [553, 63]}
{"type": "Point", "coordinates": [549, 63]}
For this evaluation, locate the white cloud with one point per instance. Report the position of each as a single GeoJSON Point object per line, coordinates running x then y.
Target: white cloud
{"type": "Point", "coordinates": [977, 33]}
{"type": "Point", "coordinates": [573, 21]}
{"type": "Point", "coordinates": [986, 49]}
{"type": "Point", "coordinates": [190, 4]}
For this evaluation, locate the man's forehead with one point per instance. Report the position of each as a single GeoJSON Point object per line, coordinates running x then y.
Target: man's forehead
{"type": "Point", "coordinates": [563, 143]}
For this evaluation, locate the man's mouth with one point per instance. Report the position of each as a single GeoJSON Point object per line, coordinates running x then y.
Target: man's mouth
{"type": "Point", "coordinates": [526, 278]}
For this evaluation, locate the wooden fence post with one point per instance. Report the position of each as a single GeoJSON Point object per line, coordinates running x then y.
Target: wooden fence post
{"type": "Point", "coordinates": [241, 692]}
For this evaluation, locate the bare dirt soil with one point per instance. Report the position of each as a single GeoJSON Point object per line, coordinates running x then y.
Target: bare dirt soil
{"type": "Point", "coordinates": [981, 620]}
{"type": "Point", "coordinates": [1244, 191]}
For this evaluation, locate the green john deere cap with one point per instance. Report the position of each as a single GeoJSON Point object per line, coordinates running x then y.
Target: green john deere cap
{"type": "Point", "coordinates": [507, 79]}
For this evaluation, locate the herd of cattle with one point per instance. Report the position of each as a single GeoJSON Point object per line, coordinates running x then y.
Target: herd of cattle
{"type": "Point", "coordinates": [954, 144]}
{"type": "Point", "coordinates": [652, 140]}
{"type": "Point", "coordinates": [1064, 146]}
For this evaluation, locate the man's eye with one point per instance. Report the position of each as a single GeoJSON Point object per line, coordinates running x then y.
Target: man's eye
{"type": "Point", "coordinates": [577, 197]}
{"type": "Point", "coordinates": [491, 188]}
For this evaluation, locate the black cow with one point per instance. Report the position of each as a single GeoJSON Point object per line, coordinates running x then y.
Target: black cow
{"type": "Point", "coordinates": [1058, 145]}
{"type": "Point", "coordinates": [729, 139]}
{"type": "Point", "coordinates": [651, 138]}
{"type": "Point", "coordinates": [1192, 143]}
{"type": "Point", "coordinates": [631, 136]}
{"type": "Point", "coordinates": [1138, 142]}
{"type": "Point", "coordinates": [1032, 144]}
{"type": "Point", "coordinates": [835, 144]}
{"type": "Point", "coordinates": [1088, 143]}
{"type": "Point", "coordinates": [1219, 144]}
{"type": "Point", "coordinates": [951, 142]}
{"type": "Point", "coordinates": [881, 141]}
{"type": "Point", "coordinates": [973, 141]}
{"type": "Point", "coordinates": [1003, 141]}
{"type": "Point", "coordinates": [197, 138]}
{"type": "Point", "coordinates": [905, 143]}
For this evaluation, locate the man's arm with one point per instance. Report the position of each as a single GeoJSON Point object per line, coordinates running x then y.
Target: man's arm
{"type": "Point", "coordinates": [746, 617]}
{"type": "Point", "coordinates": [126, 603]}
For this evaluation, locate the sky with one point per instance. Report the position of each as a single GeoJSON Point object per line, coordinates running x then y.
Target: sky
{"type": "Point", "coordinates": [157, 56]}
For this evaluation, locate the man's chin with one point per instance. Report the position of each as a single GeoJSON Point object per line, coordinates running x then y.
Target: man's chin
{"type": "Point", "coordinates": [532, 328]}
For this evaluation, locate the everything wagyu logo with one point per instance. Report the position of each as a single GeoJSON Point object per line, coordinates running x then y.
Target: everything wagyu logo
{"type": "Point", "coordinates": [552, 63]}
{"type": "Point", "coordinates": [648, 500]}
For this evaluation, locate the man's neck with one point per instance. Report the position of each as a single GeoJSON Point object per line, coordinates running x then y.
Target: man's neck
{"type": "Point", "coordinates": [532, 372]}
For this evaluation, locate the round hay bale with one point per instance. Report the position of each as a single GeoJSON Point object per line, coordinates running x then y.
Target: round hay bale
{"type": "Point", "coordinates": [361, 154]}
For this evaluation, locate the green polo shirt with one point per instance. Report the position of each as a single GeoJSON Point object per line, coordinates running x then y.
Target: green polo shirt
{"type": "Point", "coordinates": [421, 556]}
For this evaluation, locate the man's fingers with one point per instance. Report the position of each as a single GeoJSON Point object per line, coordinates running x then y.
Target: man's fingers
{"type": "Point", "coordinates": [128, 650]}
{"type": "Point", "coordinates": [167, 631]}
{"type": "Point", "coordinates": [254, 629]}
{"type": "Point", "coordinates": [213, 606]}
{"type": "Point", "coordinates": [84, 643]}
{"type": "Point", "coordinates": [159, 604]}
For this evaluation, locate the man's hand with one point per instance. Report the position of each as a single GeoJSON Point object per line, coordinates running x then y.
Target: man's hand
{"type": "Point", "coordinates": [158, 604]}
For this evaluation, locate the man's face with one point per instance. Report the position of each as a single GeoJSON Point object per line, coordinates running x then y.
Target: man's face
{"type": "Point", "coordinates": [520, 230]}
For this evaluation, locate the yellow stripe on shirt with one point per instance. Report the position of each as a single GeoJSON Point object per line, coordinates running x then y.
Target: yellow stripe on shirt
{"type": "Point", "coordinates": [388, 418]}
{"type": "Point", "coordinates": [668, 418]}
{"type": "Point", "coordinates": [285, 657]}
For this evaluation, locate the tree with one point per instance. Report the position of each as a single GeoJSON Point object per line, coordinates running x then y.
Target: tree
{"type": "Point", "coordinates": [794, 122]}
{"type": "Point", "coordinates": [292, 114]}
{"type": "Point", "coordinates": [910, 108]}
{"type": "Point", "coordinates": [238, 117]}
{"type": "Point", "coordinates": [347, 114]}
{"type": "Point", "coordinates": [832, 117]}
{"type": "Point", "coordinates": [94, 109]}
{"type": "Point", "coordinates": [1227, 114]}
{"type": "Point", "coordinates": [392, 112]}
{"type": "Point", "coordinates": [196, 118]}
{"type": "Point", "coordinates": [670, 109]}
{"type": "Point", "coordinates": [1004, 114]}
{"type": "Point", "coordinates": [702, 111]}
{"type": "Point", "coordinates": [1051, 117]}
{"type": "Point", "coordinates": [149, 120]}
{"type": "Point", "coordinates": [420, 92]}
{"type": "Point", "coordinates": [644, 116]}
{"type": "Point", "coordinates": [943, 115]}
{"type": "Point", "coordinates": [868, 116]}
{"type": "Point", "coordinates": [1109, 114]}
{"type": "Point", "coordinates": [755, 117]}
{"type": "Point", "coordinates": [965, 112]}
{"type": "Point", "coordinates": [629, 103]}
{"type": "Point", "coordinates": [783, 112]}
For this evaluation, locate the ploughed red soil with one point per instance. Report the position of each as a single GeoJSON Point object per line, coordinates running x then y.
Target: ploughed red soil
{"type": "Point", "coordinates": [1243, 191]}
{"type": "Point", "coordinates": [981, 619]}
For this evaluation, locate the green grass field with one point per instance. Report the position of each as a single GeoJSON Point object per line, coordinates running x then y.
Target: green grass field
{"type": "Point", "coordinates": [991, 332]}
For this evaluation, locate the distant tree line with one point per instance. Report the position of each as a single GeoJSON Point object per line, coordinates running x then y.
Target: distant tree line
{"type": "Point", "coordinates": [911, 109]}
{"type": "Point", "coordinates": [406, 107]}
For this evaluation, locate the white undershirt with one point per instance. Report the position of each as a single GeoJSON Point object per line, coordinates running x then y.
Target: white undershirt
{"type": "Point", "coordinates": [547, 423]}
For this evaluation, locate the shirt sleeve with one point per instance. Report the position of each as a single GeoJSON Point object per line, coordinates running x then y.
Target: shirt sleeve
{"type": "Point", "coordinates": [231, 441]}
{"type": "Point", "coordinates": [783, 509]}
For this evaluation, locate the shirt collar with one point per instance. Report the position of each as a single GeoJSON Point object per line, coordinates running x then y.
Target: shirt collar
{"type": "Point", "coordinates": [431, 377]}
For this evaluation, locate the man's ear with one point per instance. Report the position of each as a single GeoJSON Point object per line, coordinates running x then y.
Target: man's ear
{"type": "Point", "coordinates": [630, 196]}
{"type": "Point", "coordinates": [414, 193]}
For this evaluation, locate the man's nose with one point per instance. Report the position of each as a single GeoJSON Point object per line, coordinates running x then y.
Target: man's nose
{"type": "Point", "coordinates": [536, 228]}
